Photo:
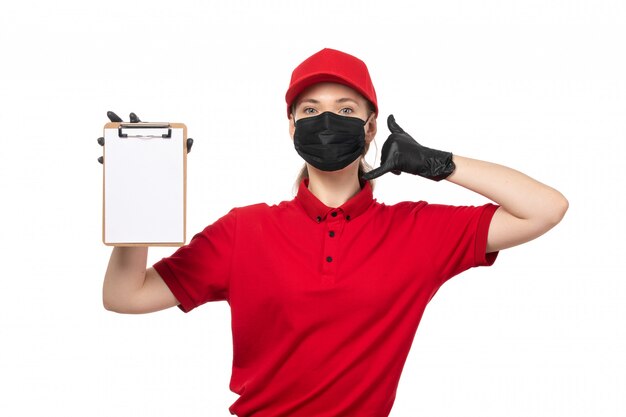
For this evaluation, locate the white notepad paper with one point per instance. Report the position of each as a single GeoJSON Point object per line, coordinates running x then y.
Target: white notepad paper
{"type": "Point", "coordinates": [144, 187]}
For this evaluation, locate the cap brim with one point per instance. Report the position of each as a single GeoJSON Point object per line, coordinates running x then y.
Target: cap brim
{"type": "Point", "coordinates": [299, 86]}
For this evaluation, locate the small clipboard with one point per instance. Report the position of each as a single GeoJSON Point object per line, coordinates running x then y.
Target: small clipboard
{"type": "Point", "coordinates": [144, 184]}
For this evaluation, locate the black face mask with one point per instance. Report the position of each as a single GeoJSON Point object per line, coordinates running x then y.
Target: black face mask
{"type": "Point", "coordinates": [329, 141]}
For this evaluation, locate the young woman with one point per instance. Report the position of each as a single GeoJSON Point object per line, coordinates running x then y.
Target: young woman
{"type": "Point", "coordinates": [326, 291]}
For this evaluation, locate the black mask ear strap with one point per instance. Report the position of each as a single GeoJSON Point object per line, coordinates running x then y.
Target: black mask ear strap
{"type": "Point", "coordinates": [368, 118]}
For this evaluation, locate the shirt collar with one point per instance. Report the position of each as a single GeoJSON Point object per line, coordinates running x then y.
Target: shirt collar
{"type": "Point", "coordinates": [351, 209]}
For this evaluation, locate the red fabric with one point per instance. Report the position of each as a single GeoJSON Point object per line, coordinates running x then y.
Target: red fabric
{"type": "Point", "coordinates": [313, 337]}
{"type": "Point", "coordinates": [335, 66]}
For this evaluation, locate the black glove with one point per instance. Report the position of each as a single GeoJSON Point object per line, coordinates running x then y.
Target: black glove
{"type": "Point", "coordinates": [402, 153]}
{"type": "Point", "coordinates": [133, 119]}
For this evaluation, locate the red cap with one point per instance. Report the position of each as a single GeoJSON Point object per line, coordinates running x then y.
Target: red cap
{"type": "Point", "coordinates": [334, 66]}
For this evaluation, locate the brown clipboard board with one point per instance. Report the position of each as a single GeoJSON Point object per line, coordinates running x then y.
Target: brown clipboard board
{"type": "Point", "coordinates": [144, 184]}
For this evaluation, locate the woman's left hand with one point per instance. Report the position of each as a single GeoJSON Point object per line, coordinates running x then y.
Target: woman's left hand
{"type": "Point", "coordinates": [133, 119]}
{"type": "Point", "coordinates": [402, 153]}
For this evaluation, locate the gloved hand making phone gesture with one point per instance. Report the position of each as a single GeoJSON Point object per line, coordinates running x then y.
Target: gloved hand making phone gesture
{"type": "Point", "coordinates": [402, 153]}
{"type": "Point", "coordinates": [133, 119]}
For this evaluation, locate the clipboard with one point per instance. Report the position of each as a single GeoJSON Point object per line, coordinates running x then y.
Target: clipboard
{"type": "Point", "coordinates": [144, 189]}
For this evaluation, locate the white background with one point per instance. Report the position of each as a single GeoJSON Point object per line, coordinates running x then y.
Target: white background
{"type": "Point", "coordinates": [538, 85]}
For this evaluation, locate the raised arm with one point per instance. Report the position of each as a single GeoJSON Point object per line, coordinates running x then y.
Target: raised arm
{"type": "Point", "coordinates": [131, 288]}
{"type": "Point", "coordinates": [128, 286]}
{"type": "Point", "coordinates": [527, 209]}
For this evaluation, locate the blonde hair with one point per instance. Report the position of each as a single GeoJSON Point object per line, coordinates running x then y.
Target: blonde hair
{"type": "Point", "coordinates": [363, 165]}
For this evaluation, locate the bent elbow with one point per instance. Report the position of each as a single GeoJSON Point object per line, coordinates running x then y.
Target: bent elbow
{"type": "Point", "coordinates": [116, 308]}
{"type": "Point", "coordinates": [108, 306]}
{"type": "Point", "coordinates": [106, 299]}
{"type": "Point", "coordinates": [561, 208]}
{"type": "Point", "coordinates": [557, 211]}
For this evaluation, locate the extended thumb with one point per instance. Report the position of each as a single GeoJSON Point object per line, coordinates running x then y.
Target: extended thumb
{"type": "Point", "coordinates": [393, 126]}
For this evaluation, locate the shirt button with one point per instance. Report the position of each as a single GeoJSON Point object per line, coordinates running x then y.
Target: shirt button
{"type": "Point", "coordinates": [331, 233]}
{"type": "Point", "coordinates": [329, 259]}
{"type": "Point", "coordinates": [348, 217]}
{"type": "Point", "coordinates": [318, 218]}
{"type": "Point", "coordinates": [334, 214]}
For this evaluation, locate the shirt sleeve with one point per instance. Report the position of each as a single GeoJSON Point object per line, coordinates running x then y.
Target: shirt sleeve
{"type": "Point", "coordinates": [458, 237]}
{"type": "Point", "coordinates": [200, 271]}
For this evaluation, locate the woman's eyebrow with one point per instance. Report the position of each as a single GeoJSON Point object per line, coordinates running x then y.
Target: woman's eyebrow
{"type": "Point", "coordinates": [339, 100]}
{"type": "Point", "coordinates": [343, 100]}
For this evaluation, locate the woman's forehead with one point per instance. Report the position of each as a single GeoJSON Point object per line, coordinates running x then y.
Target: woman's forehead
{"type": "Point", "coordinates": [329, 91]}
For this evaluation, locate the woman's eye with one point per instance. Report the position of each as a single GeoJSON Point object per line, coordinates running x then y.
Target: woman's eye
{"type": "Point", "coordinates": [309, 110]}
{"type": "Point", "coordinates": [346, 110]}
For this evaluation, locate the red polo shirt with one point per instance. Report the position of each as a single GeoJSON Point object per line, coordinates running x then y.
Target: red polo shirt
{"type": "Point", "coordinates": [325, 301]}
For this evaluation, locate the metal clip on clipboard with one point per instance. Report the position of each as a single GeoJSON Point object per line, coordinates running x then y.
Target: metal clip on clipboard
{"type": "Point", "coordinates": [145, 125]}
